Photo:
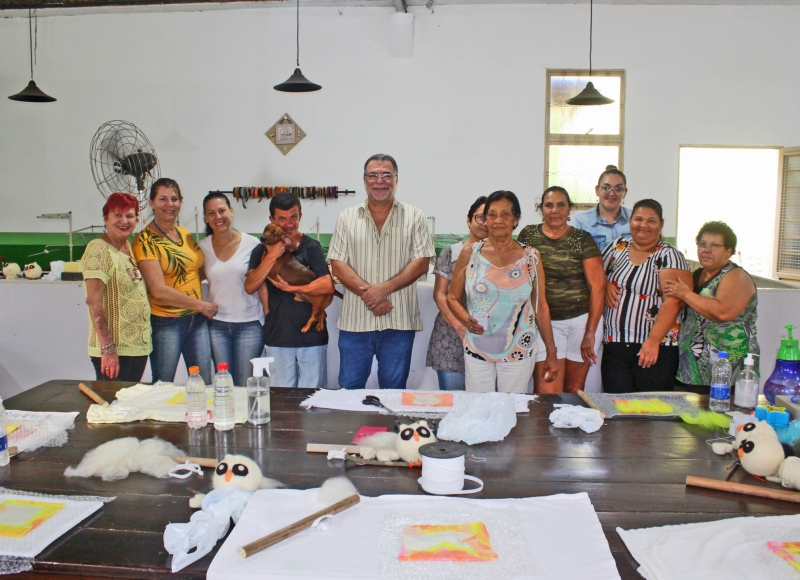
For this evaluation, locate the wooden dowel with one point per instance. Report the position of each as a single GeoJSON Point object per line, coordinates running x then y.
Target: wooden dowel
{"type": "Point", "coordinates": [361, 461]}
{"type": "Point", "coordinates": [297, 527]}
{"type": "Point", "coordinates": [325, 447]}
{"type": "Point", "coordinates": [12, 451]}
{"type": "Point", "coordinates": [743, 488]}
{"type": "Point", "coordinates": [585, 398]}
{"type": "Point", "coordinates": [201, 461]}
{"type": "Point", "coordinates": [92, 395]}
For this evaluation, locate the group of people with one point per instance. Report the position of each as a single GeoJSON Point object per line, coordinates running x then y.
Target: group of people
{"type": "Point", "coordinates": [549, 304]}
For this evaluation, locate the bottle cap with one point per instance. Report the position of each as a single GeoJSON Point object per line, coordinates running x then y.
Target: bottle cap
{"type": "Point", "coordinates": [748, 360]}
{"type": "Point", "coordinates": [194, 370]}
{"type": "Point", "coordinates": [789, 350]}
{"type": "Point", "coordinates": [222, 367]}
{"type": "Point", "coordinates": [722, 354]}
{"type": "Point", "coordinates": [260, 365]}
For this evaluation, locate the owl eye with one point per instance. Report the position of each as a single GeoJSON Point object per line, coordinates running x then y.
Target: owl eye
{"type": "Point", "coordinates": [747, 446]}
{"type": "Point", "coordinates": [423, 432]}
{"type": "Point", "coordinates": [748, 427]}
{"type": "Point", "coordinates": [222, 468]}
{"type": "Point", "coordinates": [407, 433]}
{"type": "Point", "coordinates": [240, 470]}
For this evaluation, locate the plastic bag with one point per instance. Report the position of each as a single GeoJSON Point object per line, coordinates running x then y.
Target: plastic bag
{"type": "Point", "coordinates": [489, 417]}
{"type": "Point", "coordinates": [568, 416]}
{"type": "Point", "coordinates": [56, 268]}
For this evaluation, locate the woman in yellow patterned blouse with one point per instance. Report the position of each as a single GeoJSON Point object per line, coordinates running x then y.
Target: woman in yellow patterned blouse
{"type": "Point", "coordinates": [119, 313]}
{"type": "Point", "coordinates": [171, 264]}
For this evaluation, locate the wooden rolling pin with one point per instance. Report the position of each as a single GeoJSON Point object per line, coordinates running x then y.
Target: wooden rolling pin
{"type": "Point", "coordinates": [585, 398]}
{"type": "Point", "coordinates": [92, 395]}
{"type": "Point", "coordinates": [742, 488]}
{"type": "Point", "coordinates": [297, 527]}
{"type": "Point", "coordinates": [201, 461]}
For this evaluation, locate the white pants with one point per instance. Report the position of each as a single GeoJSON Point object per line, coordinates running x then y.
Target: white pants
{"type": "Point", "coordinates": [508, 377]}
{"type": "Point", "coordinates": [568, 337]}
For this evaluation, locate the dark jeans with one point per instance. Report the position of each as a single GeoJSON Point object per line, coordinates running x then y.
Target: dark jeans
{"type": "Point", "coordinates": [392, 348]}
{"type": "Point", "coordinates": [173, 337]}
{"type": "Point", "coordinates": [622, 374]}
{"type": "Point", "coordinates": [131, 368]}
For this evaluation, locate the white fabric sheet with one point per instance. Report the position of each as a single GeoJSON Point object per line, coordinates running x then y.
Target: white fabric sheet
{"type": "Point", "coordinates": [351, 400]}
{"type": "Point", "coordinates": [720, 550]}
{"type": "Point", "coordinates": [562, 533]}
{"type": "Point", "coordinates": [159, 402]}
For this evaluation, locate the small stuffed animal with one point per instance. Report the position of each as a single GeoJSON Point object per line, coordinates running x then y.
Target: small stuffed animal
{"type": "Point", "coordinates": [11, 270]}
{"type": "Point", "coordinates": [238, 470]}
{"type": "Point", "coordinates": [33, 271]}
{"type": "Point", "coordinates": [411, 438]}
{"type": "Point", "coordinates": [761, 455]}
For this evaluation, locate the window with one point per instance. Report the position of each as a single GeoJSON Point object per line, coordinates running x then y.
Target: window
{"type": "Point", "coordinates": [581, 140]}
{"type": "Point", "coordinates": [788, 238]}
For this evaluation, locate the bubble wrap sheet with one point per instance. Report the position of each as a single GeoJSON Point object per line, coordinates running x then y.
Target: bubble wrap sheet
{"type": "Point", "coordinates": [561, 535]}
{"type": "Point", "coordinates": [720, 550]}
{"type": "Point", "coordinates": [605, 401]}
{"type": "Point", "coordinates": [37, 429]}
{"type": "Point", "coordinates": [158, 402]}
{"type": "Point", "coordinates": [351, 400]}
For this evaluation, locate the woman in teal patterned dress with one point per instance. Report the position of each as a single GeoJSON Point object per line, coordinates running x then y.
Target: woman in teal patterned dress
{"type": "Point", "coordinates": [721, 313]}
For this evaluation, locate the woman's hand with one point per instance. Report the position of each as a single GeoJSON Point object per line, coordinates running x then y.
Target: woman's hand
{"type": "Point", "coordinates": [473, 326]}
{"type": "Point", "coordinates": [109, 365]}
{"type": "Point", "coordinates": [587, 349]}
{"type": "Point", "coordinates": [677, 289]}
{"type": "Point", "coordinates": [208, 309]}
{"type": "Point", "coordinates": [648, 355]}
{"type": "Point", "coordinates": [550, 366]}
{"type": "Point", "coordinates": [612, 295]}
{"type": "Point", "coordinates": [461, 330]}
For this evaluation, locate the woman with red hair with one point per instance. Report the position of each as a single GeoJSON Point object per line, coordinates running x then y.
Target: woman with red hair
{"type": "Point", "coordinates": [119, 313]}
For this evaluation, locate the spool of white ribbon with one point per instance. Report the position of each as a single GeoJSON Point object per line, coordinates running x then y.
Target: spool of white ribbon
{"type": "Point", "coordinates": [446, 476]}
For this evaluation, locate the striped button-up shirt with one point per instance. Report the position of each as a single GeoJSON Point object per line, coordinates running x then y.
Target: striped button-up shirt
{"type": "Point", "coordinates": [377, 257]}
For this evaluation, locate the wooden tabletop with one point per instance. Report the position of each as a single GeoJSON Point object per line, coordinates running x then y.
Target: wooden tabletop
{"type": "Point", "coordinates": [633, 471]}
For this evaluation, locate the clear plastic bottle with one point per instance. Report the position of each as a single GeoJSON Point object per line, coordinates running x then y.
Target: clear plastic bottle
{"type": "Point", "coordinates": [720, 395]}
{"type": "Point", "coordinates": [4, 458]}
{"type": "Point", "coordinates": [197, 412]}
{"type": "Point", "coordinates": [223, 399]}
{"type": "Point", "coordinates": [746, 393]}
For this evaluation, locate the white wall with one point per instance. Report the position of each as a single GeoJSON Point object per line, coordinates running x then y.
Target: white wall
{"type": "Point", "coordinates": [464, 116]}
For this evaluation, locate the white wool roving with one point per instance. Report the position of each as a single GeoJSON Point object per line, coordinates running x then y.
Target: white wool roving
{"type": "Point", "coordinates": [336, 489]}
{"type": "Point", "coordinates": [119, 457]}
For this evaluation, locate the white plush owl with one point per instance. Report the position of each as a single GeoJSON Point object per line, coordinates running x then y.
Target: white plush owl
{"type": "Point", "coordinates": [755, 429]}
{"type": "Point", "coordinates": [11, 270]}
{"type": "Point", "coordinates": [411, 438]}
{"type": "Point", "coordinates": [240, 471]}
{"type": "Point", "coordinates": [33, 271]}
{"type": "Point", "coordinates": [761, 455]}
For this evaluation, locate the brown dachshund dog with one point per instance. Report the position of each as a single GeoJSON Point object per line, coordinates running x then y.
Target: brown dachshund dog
{"type": "Point", "coordinates": [295, 274]}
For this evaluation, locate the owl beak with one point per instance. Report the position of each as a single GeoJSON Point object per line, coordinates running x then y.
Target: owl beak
{"type": "Point", "coordinates": [739, 427]}
{"type": "Point", "coordinates": [741, 453]}
{"type": "Point", "coordinates": [228, 476]}
{"type": "Point", "coordinates": [416, 436]}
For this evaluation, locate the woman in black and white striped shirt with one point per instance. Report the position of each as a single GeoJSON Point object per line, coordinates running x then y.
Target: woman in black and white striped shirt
{"type": "Point", "coordinates": [641, 324]}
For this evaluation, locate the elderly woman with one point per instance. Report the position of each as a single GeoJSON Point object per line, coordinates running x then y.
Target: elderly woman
{"type": "Point", "coordinates": [119, 313]}
{"type": "Point", "coordinates": [446, 345]}
{"type": "Point", "coordinates": [641, 323]}
{"type": "Point", "coordinates": [721, 313]}
{"type": "Point", "coordinates": [505, 289]}
{"type": "Point", "coordinates": [237, 329]}
{"type": "Point", "coordinates": [576, 285]}
{"type": "Point", "coordinates": [609, 219]}
{"type": "Point", "coordinates": [171, 263]}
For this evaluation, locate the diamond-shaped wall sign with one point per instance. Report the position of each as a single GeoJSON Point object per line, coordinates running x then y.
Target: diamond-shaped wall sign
{"type": "Point", "coordinates": [285, 134]}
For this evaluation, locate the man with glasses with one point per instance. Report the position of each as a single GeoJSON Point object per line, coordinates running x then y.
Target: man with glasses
{"type": "Point", "coordinates": [378, 251]}
{"type": "Point", "coordinates": [608, 220]}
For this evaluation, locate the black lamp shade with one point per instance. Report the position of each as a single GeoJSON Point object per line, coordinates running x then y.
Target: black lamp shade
{"type": "Point", "coordinates": [589, 96]}
{"type": "Point", "coordinates": [296, 83]}
{"type": "Point", "coordinates": [32, 94]}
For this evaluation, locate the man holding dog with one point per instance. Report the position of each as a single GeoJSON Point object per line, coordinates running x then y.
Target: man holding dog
{"type": "Point", "coordinates": [301, 358]}
{"type": "Point", "coordinates": [378, 251]}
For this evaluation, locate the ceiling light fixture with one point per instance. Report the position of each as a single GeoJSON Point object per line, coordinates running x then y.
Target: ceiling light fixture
{"type": "Point", "coordinates": [297, 83]}
{"type": "Point", "coordinates": [590, 95]}
{"type": "Point", "coordinates": [31, 93]}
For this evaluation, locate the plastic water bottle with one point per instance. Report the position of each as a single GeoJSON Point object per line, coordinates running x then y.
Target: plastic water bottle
{"type": "Point", "coordinates": [223, 399]}
{"type": "Point", "coordinates": [746, 393]}
{"type": "Point", "coordinates": [720, 396]}
{"type": "Point", "coordinates": [197, 414]}
{"type": "Point", "coordinates": [4, 458]}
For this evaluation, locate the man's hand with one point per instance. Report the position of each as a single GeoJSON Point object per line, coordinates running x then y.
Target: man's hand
{"type": "Point", "coordinates": [382, 309]}
{"type": "Point", "coordinates": [281, 284]}
{"type": "Point", "coordinates": [373, 295]}
{"type": "Point", "coordinates": [274, 252]}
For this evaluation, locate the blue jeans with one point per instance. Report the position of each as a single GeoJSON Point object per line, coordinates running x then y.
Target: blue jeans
{"type": "Point", "coordinates": [392, 348]}
{"type": "Point", "coordinates": [186, 335]}
{"type": "Point", "coordinates": [236, 343]}
{"type": "Point", "coordinates": [305, 367]}
{"type": "Point", "coordinates": [451, 381]}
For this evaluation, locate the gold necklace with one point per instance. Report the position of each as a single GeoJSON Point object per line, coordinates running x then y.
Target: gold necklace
{"type": "Point", "coordinates": [551, 234]}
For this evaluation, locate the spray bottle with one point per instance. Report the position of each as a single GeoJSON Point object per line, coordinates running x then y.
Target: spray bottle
{"type": "Point", "coordinates": [785, 379]}
{"type": "Point", "coordinates": [746, 393]}
{"type": "Point", "coordinates": [258, 406]}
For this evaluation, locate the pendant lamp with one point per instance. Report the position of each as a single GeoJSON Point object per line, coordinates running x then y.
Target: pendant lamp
{"type": "Point", "coordinates": [297, 83]}
{"type": "Point", "coordinates": [31, 93]}
{"type": "Point", "coordinates": [589, 95]}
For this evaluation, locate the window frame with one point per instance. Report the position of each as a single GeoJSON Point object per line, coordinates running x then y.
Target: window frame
{"type": "Point", "coordinates": [583, 140]}
{"type": "Point", "coordinates": [778, 274]}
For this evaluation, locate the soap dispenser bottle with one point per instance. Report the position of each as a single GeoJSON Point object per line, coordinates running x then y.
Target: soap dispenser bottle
{"type": "Point", "coordinates": [785, 379]}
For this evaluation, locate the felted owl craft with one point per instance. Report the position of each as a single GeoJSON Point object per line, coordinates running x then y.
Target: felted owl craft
{"type": "Point", "coordinates": [411, 438]}
{"type": "Point", "coordinates": [33, 271]}
{"type": "Point", "coordinates": [763, 455]}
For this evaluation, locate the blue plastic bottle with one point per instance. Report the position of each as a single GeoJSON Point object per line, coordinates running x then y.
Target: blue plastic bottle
{"type": "Point", "coordinates": [785, 379]}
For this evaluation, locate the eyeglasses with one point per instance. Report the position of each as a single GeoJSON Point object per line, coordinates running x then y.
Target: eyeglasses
{"type": "Point", "coordinates": [377, 176]}
{"type": "Point", "coordinates": [618, 189]}
{"type": "Point", "coordinates": [713, 247]}
{"type": "Point", "coordinates": [479, 218]}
